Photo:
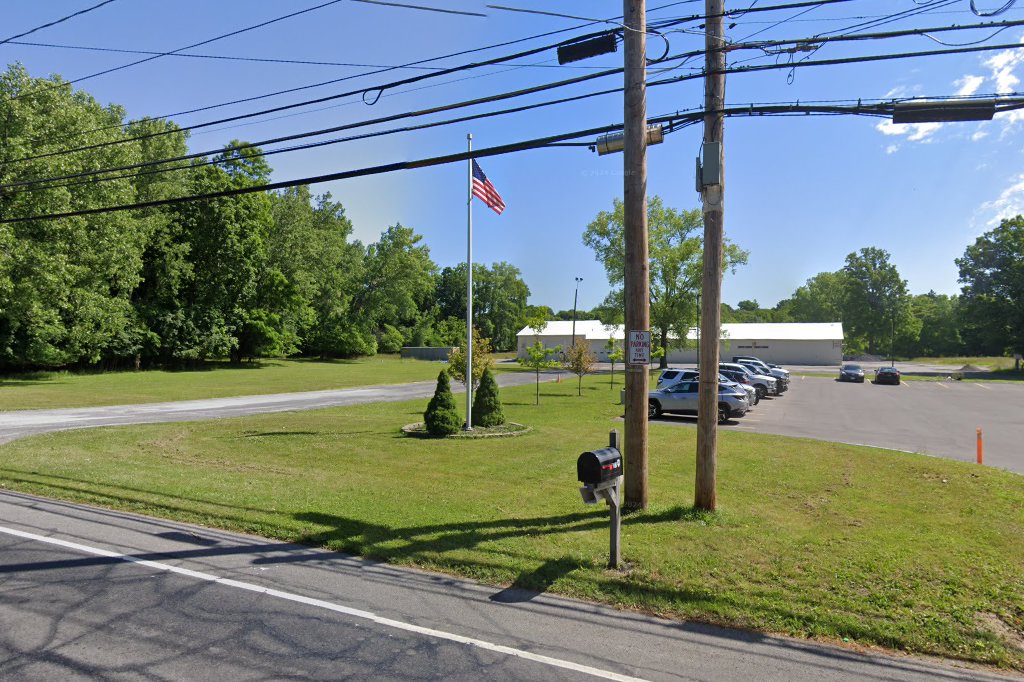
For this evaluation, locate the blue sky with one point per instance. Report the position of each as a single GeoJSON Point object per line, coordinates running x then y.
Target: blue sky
{"type": "Point", "coordinates": [801, 192]}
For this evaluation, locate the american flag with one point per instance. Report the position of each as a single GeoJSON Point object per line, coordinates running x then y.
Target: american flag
{"type": "Point", "coordinates": [484, 190]}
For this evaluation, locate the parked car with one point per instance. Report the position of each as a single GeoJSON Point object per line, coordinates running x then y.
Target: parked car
{"type": "Point", "coordinates": [743, 379]}
{"type": "Point", "coordinates": [670, 377]}
{"type": "Point", "coordinates": [887, 375]}
{"type": "Point", "coordinates": [674, 376]}
{"type": "Point", "coordinates": [851, 373]}
{"type": "Point", "coordinates": [755, 365]}
{"type": "Point", "coordinates": [765, 385]}
{"type": "Point", "coordinates": [681, 398]}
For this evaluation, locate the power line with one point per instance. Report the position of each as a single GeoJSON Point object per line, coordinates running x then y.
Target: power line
{"type": "Point", "coordinates": [360, 75]}
{"type": "Point", "coordinates": [807, 43]}
{"type": "Point", "coordinates": [372, 89]}
{"type": "Point", "coordinates": [194, 45]}
{"type": "Point", "coordinates": [56, 21]}
{"type": "Point", "coordinates": [264, 60]}
{"type": "Point", "coordinates": [421, 7]}
{"type": "Point", "coordinates": [333, 129]}
{"type": "Point", "coordinates": [675, 120]}
{"type": "Point", "coordinates": [344, 175]}
{"type": "Point", "coordinates": [662, 24]}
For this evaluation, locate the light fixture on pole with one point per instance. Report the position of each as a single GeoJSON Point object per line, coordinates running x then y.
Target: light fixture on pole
{"type": "Point", "coordinates": [941, 111]}
{"type": "Point", "coordinates": [615, 142]}
{"type": "Point", "coordinates": [574, 297]}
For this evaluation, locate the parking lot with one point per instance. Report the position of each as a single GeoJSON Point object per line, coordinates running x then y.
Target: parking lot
{"type": "Point", "coordinates": [937, 418]}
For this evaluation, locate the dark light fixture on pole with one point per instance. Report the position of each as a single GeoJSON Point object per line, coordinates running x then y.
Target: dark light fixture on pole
{"type": "Point", "coordinates": [574, 298]}
{"type": "Point", "coordinates": [941, 111]}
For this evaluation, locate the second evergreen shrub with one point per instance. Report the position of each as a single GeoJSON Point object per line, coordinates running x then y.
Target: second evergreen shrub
{"type": "Point", "coordinates": [486, 403]}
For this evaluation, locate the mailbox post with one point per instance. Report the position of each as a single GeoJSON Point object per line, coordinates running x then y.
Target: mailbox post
{"type": "Point", "coordinates": [600, 472]}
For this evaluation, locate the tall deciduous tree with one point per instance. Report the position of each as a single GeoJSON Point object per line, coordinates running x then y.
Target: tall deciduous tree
{"type": "Point", "coordinates": [819, 300]}
{"type": "Point", "coordinates": [398, 281]}
{"type": "Point", "coordinates": [309, 245]}
{"type": "Point", "coordinates": [876, 304]}
{"type": "Point", "coordinates": [992, 274]}
{"type": "Point", "coordinates": [499, 300]}
{"type": "Point", "coordinates": [676, 265]}
{"type": "Point", "coordinates": [65, 285]}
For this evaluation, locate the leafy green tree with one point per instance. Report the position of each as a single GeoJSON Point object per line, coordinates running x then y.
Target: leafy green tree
{"type": "Point", "coordinates": [580, 360]}
{"type": "Point", "coordinates": [233, 297]}
{"type": "Point", "coordinates": [821, 299]}
{"type": "Point", "coordinates": [483, 359]}
{"type": "Point", "coordinates": [992, 275]}
{"type": "Point", "coordinates": [876, 304]}
{"type": "Point", "coordinates": [537, 356]}
{"type": "Point", "coordinates": [398, 281]}
{"type": "Point", "coordinates": [499, 300]}
{"type": "Point", "coordinates": [65, 285]}
{"type": "Point", "coordinates": [441, 416]}
{"type": "Point", "coordinates": [616, 353]}
{"type": "Point", "coordinates": [676, 265]}
{"type": "Point", "coordinates": [309, 245]}
{"type": "Point", "coordinates": [486, 402]}
{"type": "Point", "coordinates": [939, 327]}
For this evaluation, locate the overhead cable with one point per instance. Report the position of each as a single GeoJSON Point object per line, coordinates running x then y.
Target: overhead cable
{"type": "Point", "coordinates": [694, 116]}
{"type": "Point", "coordinates": [56, 21]}
{"type": "Point", "coordinates": [194, 45]}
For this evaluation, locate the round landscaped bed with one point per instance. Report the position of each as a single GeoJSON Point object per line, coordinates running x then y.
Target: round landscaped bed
{"type": "Point", "coordinates": [507, 430]}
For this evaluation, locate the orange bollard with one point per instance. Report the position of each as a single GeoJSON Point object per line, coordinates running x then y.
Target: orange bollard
{"type": "Point", "coordinates": [979, 447]}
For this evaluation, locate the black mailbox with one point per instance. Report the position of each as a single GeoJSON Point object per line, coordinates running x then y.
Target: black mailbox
{"type": "Point", "coordinates": [599, 466]}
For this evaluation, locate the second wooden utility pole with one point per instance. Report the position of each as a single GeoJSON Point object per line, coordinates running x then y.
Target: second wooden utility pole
{"type": "Point", "coordinates": [637, 278]}
{"type": "Point", "coordinates": [712, 182]}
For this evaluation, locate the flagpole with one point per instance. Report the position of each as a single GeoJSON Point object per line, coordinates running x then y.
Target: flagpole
{"type": "Point", "coordinates": [469, 290]}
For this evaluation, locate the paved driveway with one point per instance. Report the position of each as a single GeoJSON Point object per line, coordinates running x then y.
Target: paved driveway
{"type": "Point", "coordinates": [932, 417]}
{"type": "Point", "coordinates": [21, 423]}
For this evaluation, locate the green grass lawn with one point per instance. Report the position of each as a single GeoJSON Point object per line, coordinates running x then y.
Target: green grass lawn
{"type": "Point", "coordinates": [812, 539]}
{"type": "Point", "coordinates": [990, 362]}
{"type": "Point", "coordinates": [217, 380]}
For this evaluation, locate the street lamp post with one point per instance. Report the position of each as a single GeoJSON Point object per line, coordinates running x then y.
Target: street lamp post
{"type": "Point", "coordinates": [574, 297]}
{"type": "Point", "coordinates": [892, 342]}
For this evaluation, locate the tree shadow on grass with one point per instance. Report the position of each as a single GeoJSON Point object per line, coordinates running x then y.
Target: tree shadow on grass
{"type": "Point", "coordinates": [412, 542]}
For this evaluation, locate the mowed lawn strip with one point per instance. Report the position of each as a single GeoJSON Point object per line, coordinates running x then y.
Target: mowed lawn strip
{"type": "Point", "coordinates": [813, 539]}
{"type": "Point", "coordinates": [47, 390]}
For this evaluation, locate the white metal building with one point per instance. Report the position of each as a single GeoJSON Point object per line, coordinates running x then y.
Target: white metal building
{"type": "Point", "coordinates": [792, 343]}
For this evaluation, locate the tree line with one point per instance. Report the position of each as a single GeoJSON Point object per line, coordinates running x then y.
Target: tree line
{"type": "Point", "coordinates": [261, 274]}
{"type": "Point", "coordinates": [880, 316]}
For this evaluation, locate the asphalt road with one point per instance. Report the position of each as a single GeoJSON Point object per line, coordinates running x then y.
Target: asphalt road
{"type": "Point", "coordinates": [21, 423]}
{"type": "Point", "coordinates": [936, 418]}
{"type": "Point", "coordinates": [88, 593]}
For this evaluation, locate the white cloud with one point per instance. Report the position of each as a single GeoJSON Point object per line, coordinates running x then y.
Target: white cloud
{"type": "Point", "coordinates": [968, 85]}
{"type": "Point", "coordinates": [892, 149]}
{"type": "Point", "coordinates": [1010, 203]}
{"type": "Point", "coordinates": [915, 132]}
{"type": "Point", "coordinates": [1002, 65]}
{"type": "Point", "coordinates": [979, 135]}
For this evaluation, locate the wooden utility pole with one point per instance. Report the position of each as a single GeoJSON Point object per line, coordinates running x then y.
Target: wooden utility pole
{"type": "Point", "coordinates": [713, 199]}
{"type": "Point", "coordinates": [637, 278]}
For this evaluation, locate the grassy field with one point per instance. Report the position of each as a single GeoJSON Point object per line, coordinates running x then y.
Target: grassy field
{"type": "Point", "coordinates": [813, 539]}
{"type": "Point", "coordinates": [217, 380]}
{"type": "Point", "coordinates": [993, 363]}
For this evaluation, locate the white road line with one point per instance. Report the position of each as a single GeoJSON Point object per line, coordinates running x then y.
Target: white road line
{"type": "Point", "coordinates": [941, 385]}
{"type": "Point", "coordinates": [983, 386]}
{"type": "Point", "coordinates": [330, 606]}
